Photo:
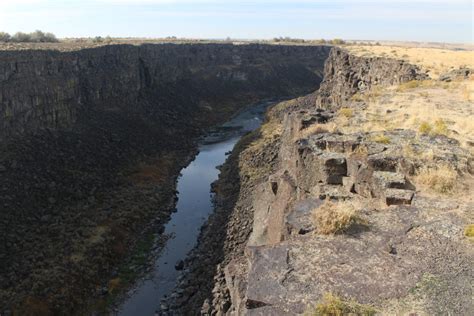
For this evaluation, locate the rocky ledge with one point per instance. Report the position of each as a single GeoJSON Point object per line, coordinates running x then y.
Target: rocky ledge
{"type": "Point", "coordinates": [275, 252]}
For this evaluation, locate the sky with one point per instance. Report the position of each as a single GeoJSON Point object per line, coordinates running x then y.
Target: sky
{"type": "Point", "coordinates": [407, 20]}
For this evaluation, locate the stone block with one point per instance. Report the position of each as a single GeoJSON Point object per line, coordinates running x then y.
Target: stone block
{"type": "Point", "coordinates": [398, 196]}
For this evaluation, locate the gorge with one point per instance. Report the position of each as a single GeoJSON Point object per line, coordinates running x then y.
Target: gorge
{"type": "Point", "coordinates": [92, 143]}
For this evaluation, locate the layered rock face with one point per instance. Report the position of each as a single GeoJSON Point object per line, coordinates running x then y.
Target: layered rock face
{"type": "Point", "coordinates": [48, 89]}
{"type": "Point", "coordinates": [283, 264]}
{"type": "Point", "coordinates": [92, 142]}
{"type": "Point", "coordinates": [346, 74]}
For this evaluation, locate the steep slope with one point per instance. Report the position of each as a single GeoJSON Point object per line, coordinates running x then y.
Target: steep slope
{"type": "Point", "coordinates": [92, 143]}
{"type": "Point", "coordinates": [288, 241]}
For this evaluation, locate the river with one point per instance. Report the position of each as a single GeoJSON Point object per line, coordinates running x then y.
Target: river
{"type": "Point", "coordinates": [193, 207]}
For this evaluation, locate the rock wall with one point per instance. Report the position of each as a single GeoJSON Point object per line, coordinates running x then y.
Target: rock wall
{"type": "Point", "coordinates": [92, 142]}
{"type": "Point", "coordinates": [346, 74]}
{"type": "Point", "coordinates": [283, 267]}
{"type": "Point", "coordinates": [50, 89]}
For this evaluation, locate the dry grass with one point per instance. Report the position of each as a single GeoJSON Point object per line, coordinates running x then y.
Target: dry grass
{"type": "Point", "coordinates": [409, 85]}
{"type": "Point", "coordinates": [332, 305]}
{"type": "Point", "coordinates": [335, 217]}
{"type": "Point", "coordinates": [256, 144]}
{"type": "Point", "coordinates": [428, 102]}
{"type": "Point", "coordinates": [313, 130]}
{"type": "Point", "coordinates": [346, 112]}
{"type": "Point", "coordinates": [318, 129]}
{"type": "Point", "coordinates": [369, 95]}
{"type": "Point", "coordinates": [441, 179]}
{"type": "Point", "coordinates": [380, 138]}
{"type": "Point", "coordinates": [469, 230]}
{"type": "Point", "coordinates": [360, 151]}
{"type": "Point", "coordinates": [438, 128]}
{"type": "Point", "coordinates": [425, 128]}
{"type": "Point", "coordinates": [436, 61]}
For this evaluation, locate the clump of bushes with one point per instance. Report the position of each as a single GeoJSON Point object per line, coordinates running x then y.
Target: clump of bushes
{"type": "Point", "coordinates": [333, 218]}
{"type": "Point", "coordinates": [332, 305]}
{"type": "Point", "coordinates": [338, 41]}
{"type": "Point", "coordinates": [4, 37]}
{"type": "Point", "coordinates": [100, 39]}
{"type": "Point", "coordinates": [441, 179]}
{"type": "Point", "coordinates": [288, 39]}
{"type": "Point", "coordinates": [34, 37]}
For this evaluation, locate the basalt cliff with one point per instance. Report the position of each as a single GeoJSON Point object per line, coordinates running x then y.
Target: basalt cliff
{"type": "Point", "coordinates": [327, 208]}
{"type": "Point", "coordinates": [287, 245]}
{"type": "Point", "coordinates": [92, 142]}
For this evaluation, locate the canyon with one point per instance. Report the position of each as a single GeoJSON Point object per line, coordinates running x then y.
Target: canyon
{"type": "Point", "coordinates": [92, 143]}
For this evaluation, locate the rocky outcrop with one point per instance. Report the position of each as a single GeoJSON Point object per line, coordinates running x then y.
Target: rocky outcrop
{"type": "Point", "coordinates": [92, 143]}
{"type": "Point", "coordinates": [285, 266]}
{"type": "Point", "coordinates": [346, 74]}
{"type": "Point", "coordinates": [288, 266]}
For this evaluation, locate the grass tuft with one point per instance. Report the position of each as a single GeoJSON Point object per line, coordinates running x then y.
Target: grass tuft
{"type": "Point", "coordinates": [333, 218]}
{"type": "Point", "coordinates": [440, 128]}
{"type": "Point", "coordinates": [332, 305]}
{"type": "Point", "coordinates": [469, 230]}
{"type": "Point", "coordinates": [425, 128]}
{"type": "Point", "coordinates": [347, 112]}
{"type": "Point", "coordinates": [441, 179]}
{"type": "Point", "coordinates": [380, 138]}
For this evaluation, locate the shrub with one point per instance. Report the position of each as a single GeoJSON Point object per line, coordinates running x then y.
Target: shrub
{"type": "Point", "coordinates": [347, 112]}
{"type": "Point", "coordinates": [4, 37]}
{"type": "Point", "coordinates": [338, 41]}
{"type": "Point", "coordinates": [332, 305]}
{"type": "Point", "coordinates": [333, 218]}
{"type": "Point", "coordinates": [97, 39]}
{"type": "Point", "coordinates": [441, 179]}
{"type": "Point", "coordinates": [425, 128]}
{"type": "Point", "coordinates": [380, 138]}
{"type": "Point", "coordinates": [35, 37]}
{"type": "Point", "coordinates": [21, 37]}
